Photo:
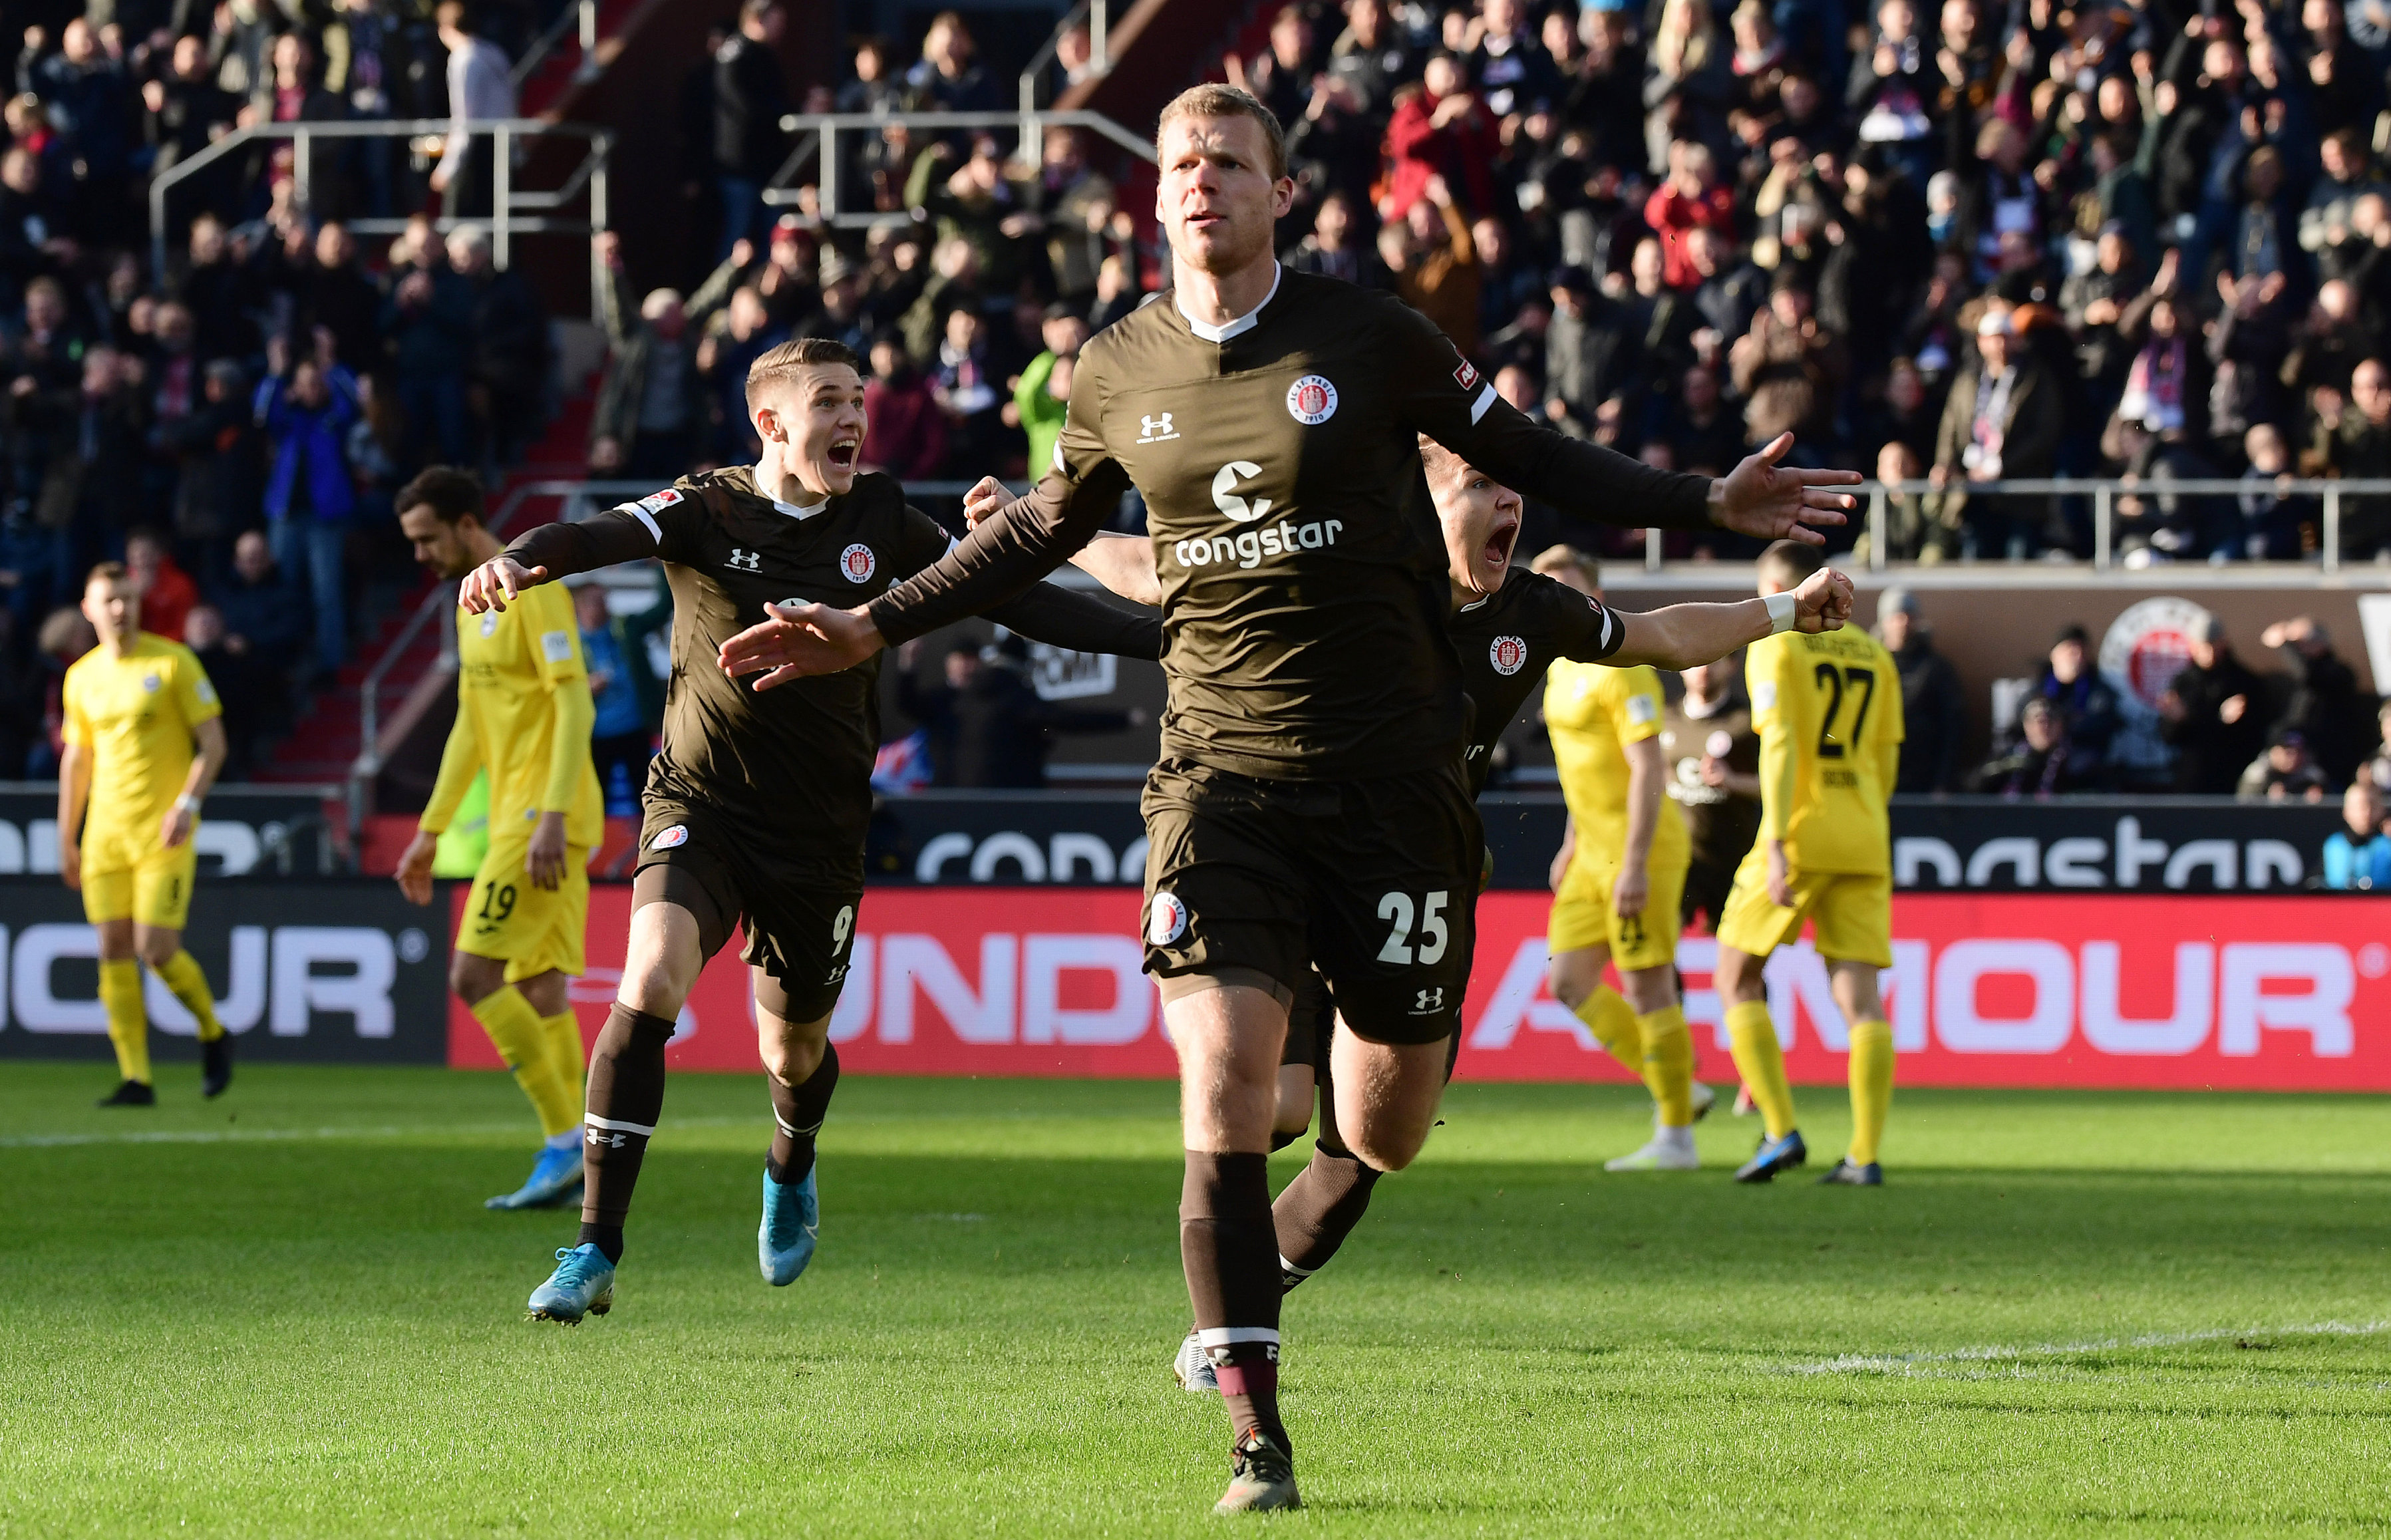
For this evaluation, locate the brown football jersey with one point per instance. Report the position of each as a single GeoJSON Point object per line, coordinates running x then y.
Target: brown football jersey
{"type": "Point", "coordinates": [1302, 572]}
{"type": "Point", "coordinates": [1507, 642]}
{"type": "Point", "coordinates": [1721, 824]}
{"type": "Point", "coordinates": [792, 764]}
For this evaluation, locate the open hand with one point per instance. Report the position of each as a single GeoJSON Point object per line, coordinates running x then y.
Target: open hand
{"type": "Point", "coordinates": [176, 827]}
{"type": "Point", "coordinates": [800, 640]}
{"type": "Point", "coordinates": [414, 871]}
{"type": "Point", "coordinates": [1761, 497]}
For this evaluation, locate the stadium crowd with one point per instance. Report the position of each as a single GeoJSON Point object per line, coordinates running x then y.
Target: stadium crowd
{"type": "Point", "coordinates": [233, 427]}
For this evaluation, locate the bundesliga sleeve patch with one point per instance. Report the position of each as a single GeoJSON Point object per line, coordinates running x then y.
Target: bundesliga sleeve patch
{"type": "Point", "coordinates": [657, 502]}
{"type": "Point", "coordinates": [1642, 710]}
{"type": "Point", "coordinates": [203, 691]}
{"type": "Point", "coordinates": [555, 646]}
{"type": "Point", "coordinates": [1763, 696]}
{"type": "Point", "coordinates": [1465, 375]}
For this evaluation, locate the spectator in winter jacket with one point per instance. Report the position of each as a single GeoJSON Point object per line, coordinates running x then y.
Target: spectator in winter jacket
{"type": "Point", "coordinates": [2040, 764]}
{"type": "Point", "coordinates": [1930, 698]}
{"type": "Point", "coordinates": [1439, 128]}
{"type": "Point", "coordinates": [653, 410]}
{"type": "Point", "coordinates": [2358, 855]}
{"type": "Point", "coordinates": [2286, 773]}
{"type": "Point", "coordinates": [2211, 714]}
{"type": "Point", "coordinates": [306, 410]}
{"type": "Point", "coordinates": [167, 592]}
{"type": "Point", "coordinates": [2325, 706]}
{"type": "Point", "coordinates": [2087, 707]}
{"type": "Point", "coordinates": [907, 432]}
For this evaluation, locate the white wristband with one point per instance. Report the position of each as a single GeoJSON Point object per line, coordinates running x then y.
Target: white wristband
{"type": "Point", "coordinates": [1781, 608]}
{"type": "Point", "coordinates": [187, 804]}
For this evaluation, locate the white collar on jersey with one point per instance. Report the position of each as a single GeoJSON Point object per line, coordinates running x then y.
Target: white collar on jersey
{"type": "Point", "coordinates": [1237, 327]}
{"type": "Point", "coordinates": [792, 510]}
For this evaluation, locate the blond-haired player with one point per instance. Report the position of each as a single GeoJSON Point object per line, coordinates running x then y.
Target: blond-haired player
{"type": "Point", "coordinates": [1828, 708]}
{"type": "Point", "coordinates": [523, 715]}
{"type": "Point", "coordinates": [1620, 878]}
{"type": "Point", "coordinates": [137, 705]}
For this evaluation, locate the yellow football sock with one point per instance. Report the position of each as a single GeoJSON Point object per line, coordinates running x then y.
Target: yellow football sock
{"type": "Point", "coordinates": [128, 1022]}
{"type": "Point", "coordinates": [562, 1033]}
{"type": "Point", "coordinates": [1761, 1062]}
{"type": "Point", "coordinates": [1669, 1064]}
{"type": "Point", "coordinates": [1606, 1014]}
{"type": "Point", "coordinates": [1871, 1087]}
{"type": "Point", "coordinates": [513, 1025]}
{"type": "Point", "coordinates": [182, 975]}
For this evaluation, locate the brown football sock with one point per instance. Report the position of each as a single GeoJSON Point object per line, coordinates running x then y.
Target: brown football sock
{"type": "Point", "coordinates": [1319, 1208]}
{"type": "Point", "coordinates": [627, 1095]}
{"type": "Point", "coordinates": [1230, 1252]}
{"type": "Point", "coordinates": [797, 1113]}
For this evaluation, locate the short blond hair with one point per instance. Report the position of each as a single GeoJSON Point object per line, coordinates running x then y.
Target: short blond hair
{"type": "Point", "coordinates": [1552, 559]}
{"type": "Point", "coordinates": [1213, 99]}
{"type": "Point", "coordinates": [777, 366]}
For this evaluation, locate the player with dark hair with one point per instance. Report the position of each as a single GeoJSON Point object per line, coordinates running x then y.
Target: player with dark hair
{"type": "Point", "coordinates": [524, 717]}
{"type": "Point", "coordinates": [136, 706]}
{"type": "Point", "coordinates": [755, 808]}
{"type": "Point", "coordinates": [1310, 808]}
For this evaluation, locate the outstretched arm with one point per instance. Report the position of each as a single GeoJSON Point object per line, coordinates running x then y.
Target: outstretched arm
{"type": "Point", "coordinates": [542, 555]}
{"type": "Point", "coordinates": [1123, 564]}
{"type": "Point", "coordinates": [1681, 636]}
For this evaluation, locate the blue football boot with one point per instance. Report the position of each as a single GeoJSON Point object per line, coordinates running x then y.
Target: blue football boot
{"type": "Point", "coordinates": [1773, 1156]}
{"type": "Point", "coordinates": [555, 1176]}
{"type": "Point", "coordinates": [582, 1285]}
{"type": "Point", "coordinates": [1846, 1174]}
{"type": "Point", "coordinates": [784, 1242]}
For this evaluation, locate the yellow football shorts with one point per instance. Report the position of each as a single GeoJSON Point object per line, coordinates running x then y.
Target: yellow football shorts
{"type": "Point", "coordinates": [1853, 910]}
{"type": "Point", "coordinates": [1582, 915]}
{"type": "Point", "coordinates": [126, 878]}
{"type": "Point", "coordinates": [532, 929]}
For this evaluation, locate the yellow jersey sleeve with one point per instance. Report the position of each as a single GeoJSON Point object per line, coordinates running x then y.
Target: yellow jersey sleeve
{"type": "Point", "coordinates": [194, 696]}
{"type": "Point", "coordinates": [556, 636]}
{"type": "Point", "coordinates": [1632, 699]}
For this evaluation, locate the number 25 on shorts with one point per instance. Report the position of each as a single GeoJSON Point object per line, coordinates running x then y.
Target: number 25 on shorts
{"type": "Point", "coordinates": [1404, 945]}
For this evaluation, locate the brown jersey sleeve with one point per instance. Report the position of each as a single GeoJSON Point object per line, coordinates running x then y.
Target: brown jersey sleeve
{"type": "Point", "coordinates": [1025, 540]}
{"type": "Point", "coordinates": [664, 524]}
{"type": "Point", "coordinates": [1582, 628]}
{"type": "Point", "coordinates": [1440, 394]}
{"type": "Point", "coordinates": [1044, 611]}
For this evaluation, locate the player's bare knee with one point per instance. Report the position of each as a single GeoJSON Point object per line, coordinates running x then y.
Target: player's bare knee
{"type": "Point", "coordinates": [548, 992]}
{"type": "Point", "coordinates": [1739, 977]}
{"type": "Point", "coordinates": [1295, 1096]}
{"type": "Point", "coordinates": [156, 947]}
{"type": "Point", "coordinates": [1574, 975]}
{"type": "Point", "coordinates": [474, 978]}
{"type": "Point", "coordinates": [1649, 989]}
{"type": "Point", "coordinates": [791, 1051]}
{"type": "Point", "coordinates": [1855, 988]}
{"type": "Point", "coordinates": [116, 940]}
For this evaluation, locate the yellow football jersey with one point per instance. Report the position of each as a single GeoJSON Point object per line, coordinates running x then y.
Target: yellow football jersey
{"type": "Point", "coordinates": [1594, 712]}
{"type": "Point", "coordinates": [508, 665]}
{"type": "Point", "coordinates": [136, 713]}
{"type": "Point", "coordinates": [1828, 708]}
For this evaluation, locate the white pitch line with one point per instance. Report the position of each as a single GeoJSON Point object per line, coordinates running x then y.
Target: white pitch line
{"type": "Point", "coordinates": [1895, 1363]}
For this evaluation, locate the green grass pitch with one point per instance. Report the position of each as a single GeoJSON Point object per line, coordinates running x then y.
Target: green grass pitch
{"type": "Point", "coordinates": [286, 1313]}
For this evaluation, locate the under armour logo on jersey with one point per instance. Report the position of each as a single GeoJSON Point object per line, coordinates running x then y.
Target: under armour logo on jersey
{"type": "Point", "coordinates": [1430, 1000]}
{"type": "Point", "coordinates": [745, 561]}
{"type": "Point", "coordinates": [1153, 430]}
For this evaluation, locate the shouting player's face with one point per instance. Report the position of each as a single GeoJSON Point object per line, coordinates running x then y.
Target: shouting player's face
{"type": "Point", "coordinates": [1218, 201]}
{"type": "Point", "coordinates": [813, 427]}
{"type": "Point", "coordinates": [1481, 523]}
{"type": "Point", "coordinates": [438, 544]}
{"type": "Point", "coordinates": [113, 607]}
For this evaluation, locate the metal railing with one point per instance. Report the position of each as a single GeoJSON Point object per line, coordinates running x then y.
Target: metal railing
{"type": "Point", "coordinates": [2104, 493]}
{"type": "Point", "coordinates": [513, 211]}
{"type": "Point", "coordinates": [817, 141]}
{"type": "Point", "coordinates": [1100, 62]}
{"type": "Point", "coordinates": [581, 18]}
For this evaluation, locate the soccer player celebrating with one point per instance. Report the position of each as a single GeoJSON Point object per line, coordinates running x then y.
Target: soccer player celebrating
{"type": "Point", "coordinates": [135, 707]}
{"type": "Point", "coordinates": [1829, 711]}
{"type": "Point", "coordinates": [1618, 880]}
{"type": "Point", "coordinates": [1510, 627]}
{"type": "Point", "coordinates": [1310, 808]}
{"type": "Point", "coordinates": [755, 808]}
{"type": "Point", "coordinates": [523, 715]}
